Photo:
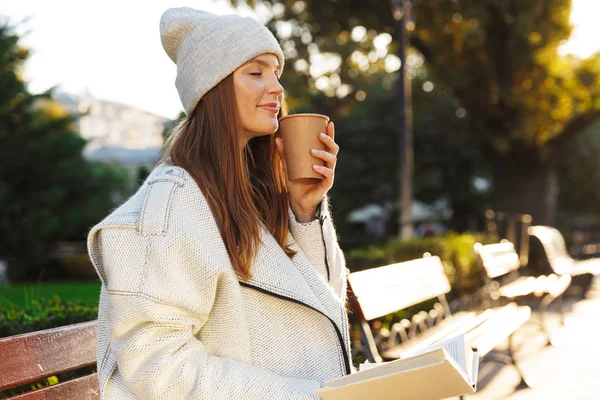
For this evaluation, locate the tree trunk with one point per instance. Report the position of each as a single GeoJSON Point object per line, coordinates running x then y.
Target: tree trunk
{"type": "Point", "coordinates": [531, 191]}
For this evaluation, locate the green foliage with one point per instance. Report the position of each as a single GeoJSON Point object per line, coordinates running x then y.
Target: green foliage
{"type": "Point", "coordinates": [21, 295]}
{"type": "Point", "coordinates": [404, 250]}
{"type": "Point", "coordinates": [43, 314]}
{"type": "Point", "coordinates": [500, 58]}
{"type": "Point", "coordinates": [365, 258]}
{"type": "Point", "coordinates": [48, 191]}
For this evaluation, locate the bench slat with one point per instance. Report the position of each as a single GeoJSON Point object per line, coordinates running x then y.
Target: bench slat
{"type": "Point", "coordinates": [383, 290]}
{"type": "Point", "coordinates": [589, 266]}
{"type": "Point", "coordinates": [83, 388]}
{"type": "Point", "coordinates": [498, 259]}
{"type": "Point", "coordinates": [500, 326]}
{"type": "Point", "coordinates": [32, 356]}
{"type": "Point", "coordinates": [523, 286]}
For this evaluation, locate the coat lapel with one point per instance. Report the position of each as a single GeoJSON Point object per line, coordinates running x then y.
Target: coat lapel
{"type": "Point", "coordinates": [320, 287]}
{"type": "Point", "coordinates": [274, 272]}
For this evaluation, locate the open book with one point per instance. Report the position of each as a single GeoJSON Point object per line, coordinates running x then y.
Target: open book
{"type": "Point", "coordinates": [447, 368]}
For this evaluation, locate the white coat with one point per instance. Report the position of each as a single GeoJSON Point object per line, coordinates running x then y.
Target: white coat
{"type": "Point", "coordinates": [175, 322]}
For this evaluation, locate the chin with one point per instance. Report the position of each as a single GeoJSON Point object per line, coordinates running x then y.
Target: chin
{"type": "Point", "coordinates": [262, 126]}
{"type": "Point", "coordinates": [267, 129]}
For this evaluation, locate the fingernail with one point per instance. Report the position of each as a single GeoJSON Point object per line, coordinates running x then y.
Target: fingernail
{"type": "Point", "coordinates": [316, 166]}
{"type": "Point", "coordinates": [322, 134]}
{"type": "Point", "coordinates": [313, 151]}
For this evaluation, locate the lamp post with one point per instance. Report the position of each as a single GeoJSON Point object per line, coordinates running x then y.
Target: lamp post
{"type": "Point", "coordinates": [401, 13]}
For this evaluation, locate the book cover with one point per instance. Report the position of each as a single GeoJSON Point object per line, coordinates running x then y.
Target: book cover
{"type": "Point", "coordinates": [431, 374]}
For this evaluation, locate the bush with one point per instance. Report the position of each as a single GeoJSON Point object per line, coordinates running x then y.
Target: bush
{"type": "Point", "coordinates": [43, 314]}
{"type": "Point", "coordinates": [369, 257]}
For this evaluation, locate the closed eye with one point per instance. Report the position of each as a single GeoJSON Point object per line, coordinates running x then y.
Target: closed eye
{"type": "Point", "coordinates": [260, 74]}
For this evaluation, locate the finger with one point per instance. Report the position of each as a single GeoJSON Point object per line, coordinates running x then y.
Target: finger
{"type": "Point", "coordinates": [329, 142]}
{"type": "Point", "coordinates": [326, 156]}
{"type": "Point", "coordinates": [327, 172]}
{"type": "Point", "coordinates": [331, 130]}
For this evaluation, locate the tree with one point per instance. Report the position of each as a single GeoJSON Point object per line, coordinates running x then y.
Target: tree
{"type": "Point", "coordinates": [524, 100]}
{"type": "Point", "coordinates": [497, 57]}
{"type": "Point", "coordinates": [579, 174]}
{"type": "Point", "coordinates": [48, 192]}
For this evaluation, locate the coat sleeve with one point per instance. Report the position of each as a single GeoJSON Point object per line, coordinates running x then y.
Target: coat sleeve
{"type": "Point", "coordinates": [154, 342]}
{"type": "Point", "coordinates": [319, 242]}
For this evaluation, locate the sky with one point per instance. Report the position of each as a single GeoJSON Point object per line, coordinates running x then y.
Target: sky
{"type": "Point", "coordinates": [111, 49]}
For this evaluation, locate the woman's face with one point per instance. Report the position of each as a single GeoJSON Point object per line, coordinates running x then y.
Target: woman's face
{"type": "Point", "coordinates": [258, 95]}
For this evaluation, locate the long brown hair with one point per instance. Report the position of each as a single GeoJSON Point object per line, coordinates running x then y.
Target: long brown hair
{"type": "Point", "coordinates": [245, 190]}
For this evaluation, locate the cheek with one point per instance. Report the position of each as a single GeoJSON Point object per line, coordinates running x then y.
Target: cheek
{"type": "Point", "coordinates": [248, 98]}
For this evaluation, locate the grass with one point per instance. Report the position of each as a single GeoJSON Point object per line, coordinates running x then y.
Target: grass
{"type": "Point", "coordinates": [22, 294]}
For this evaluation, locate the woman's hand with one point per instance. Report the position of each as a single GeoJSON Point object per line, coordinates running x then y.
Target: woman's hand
{"type": "Point", "coordinates": [305, 196]}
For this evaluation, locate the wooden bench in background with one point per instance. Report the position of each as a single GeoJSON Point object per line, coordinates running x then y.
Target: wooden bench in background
{"type": "Point", "coordinates": [32, 357]}
{"type": "Point", "coordinates": [559, 259]}
{"type": "Point", "coordinates": [377, 292]}
{"type": "Point", "coordinates": [500, 265]}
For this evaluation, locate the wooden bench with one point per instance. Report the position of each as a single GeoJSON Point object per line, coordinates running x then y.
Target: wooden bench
{"type": "Point", "coordinates": [500, 265]}
{"type": "Point", "coordinates": [32, 357]}
{"type": "Point", "coordinates": [377, 292]}
{"type": "Point", "coordinates": [557, 256]}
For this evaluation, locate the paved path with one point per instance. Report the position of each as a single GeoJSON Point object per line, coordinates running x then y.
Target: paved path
{"type": "Point", "coordinates": [570, 370]}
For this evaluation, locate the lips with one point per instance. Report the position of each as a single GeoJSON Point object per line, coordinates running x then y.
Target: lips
{"type": "Point", "coordinates": [274, 110]}
{"type": "Point", "coordinates": [270, 107]}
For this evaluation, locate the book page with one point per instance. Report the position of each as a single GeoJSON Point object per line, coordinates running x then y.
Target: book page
{"type": "Point", "coordinates": [464, 356]}
{"type": "Point", "coordinates": [474, 368]}
{"type": "Point", "coordinates": [469, 354]}
{"type": "Point", "coordinates": [454, 345]}
{"type": "Point", "coordinates": [460, 351]}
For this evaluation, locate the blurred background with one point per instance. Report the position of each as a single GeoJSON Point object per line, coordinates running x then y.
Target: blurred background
{"type": "Point", "coordinates": [459, 121]}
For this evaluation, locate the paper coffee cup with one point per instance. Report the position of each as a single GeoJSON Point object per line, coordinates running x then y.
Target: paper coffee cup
{"type": "Point", "coordinates": [300, 134]}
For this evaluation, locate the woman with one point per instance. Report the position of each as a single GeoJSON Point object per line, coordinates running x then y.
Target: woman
{"type": "Point", "coordinates": [220, 278]}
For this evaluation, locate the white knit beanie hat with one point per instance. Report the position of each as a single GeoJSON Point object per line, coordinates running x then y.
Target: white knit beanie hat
{"type": "Point", "coordinates": [207, 48]}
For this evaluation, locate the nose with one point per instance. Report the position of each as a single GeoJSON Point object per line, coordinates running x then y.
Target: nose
{"type": "Point", "coordinates": [274, 86]}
